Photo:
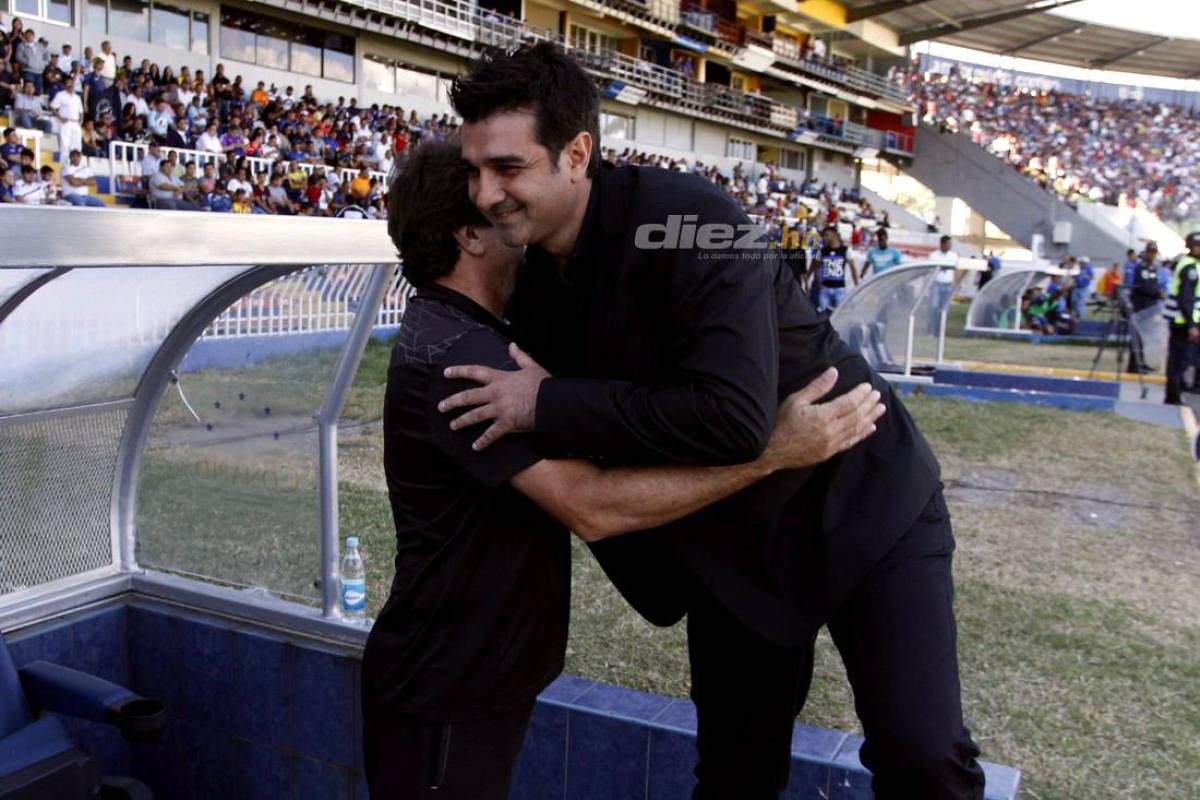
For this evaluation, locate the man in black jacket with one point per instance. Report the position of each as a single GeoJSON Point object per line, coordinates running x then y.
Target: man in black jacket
{"type": "Point", "coordinates": [668, 342]}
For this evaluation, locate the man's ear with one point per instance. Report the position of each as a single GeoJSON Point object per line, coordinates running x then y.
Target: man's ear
{"type": "Point", "coordinates": [468, 240]}
{"type": "Point", "coordinates": [579, 153]}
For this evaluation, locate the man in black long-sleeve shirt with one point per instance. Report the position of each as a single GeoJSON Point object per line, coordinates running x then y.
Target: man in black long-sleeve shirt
{"type": "Point", "coordinates": [668, 351]}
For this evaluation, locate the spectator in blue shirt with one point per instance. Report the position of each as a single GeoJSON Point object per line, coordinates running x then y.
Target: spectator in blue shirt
{"type": "Point", "coordinates": [1081, 287]}
{"type": "Point", "coordinates": [12, 147]}
{"type": "Point", "coordinates": [219, 199]}
{"type": "Point", "coordinates": [881, 257]}
{"type": "Point", "coordinates": [1129, 273]}
{"type": "Point", "coordinates": [1165, 273]}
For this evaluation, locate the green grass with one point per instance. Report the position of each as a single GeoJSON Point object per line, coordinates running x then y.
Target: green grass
{"type": "Point", "coordinates": [1016, 351]}
{"type": "Point", "coordinates": [1076, 574]}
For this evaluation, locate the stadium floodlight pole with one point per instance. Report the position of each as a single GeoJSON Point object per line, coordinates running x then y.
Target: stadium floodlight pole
{"type": "Point", "coordinates": [327, 430]}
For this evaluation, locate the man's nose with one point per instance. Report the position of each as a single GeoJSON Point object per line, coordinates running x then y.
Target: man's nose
{"type": "Point", "coordinates": [489, 191]}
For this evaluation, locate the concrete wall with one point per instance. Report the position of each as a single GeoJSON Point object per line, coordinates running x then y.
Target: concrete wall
{"type": "Point", "coordinates": [952, 165]}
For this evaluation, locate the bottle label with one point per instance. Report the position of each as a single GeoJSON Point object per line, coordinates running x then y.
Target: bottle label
{"type": "Point", "coordinates": [354, 595]}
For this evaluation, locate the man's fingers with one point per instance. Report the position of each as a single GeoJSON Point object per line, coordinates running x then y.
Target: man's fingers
{"type": "Point", "coordinates": [520, 356]}
{"type": "Point", "coordinates": [817, 388]}
{"type": "Point", "coordinates": [489, 436]}
{"type": "Point", "coordinates": [471, 372]}
{"type": "Point", "coordinates": [467, 397]}
{"type": "Point", "coordinates": [850, 401]}
{"type": "Point", "coordinates": [473, 417]}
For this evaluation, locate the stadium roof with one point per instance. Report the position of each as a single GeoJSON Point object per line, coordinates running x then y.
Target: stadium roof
{"type": "Point", "coordinates": [1028, 29]}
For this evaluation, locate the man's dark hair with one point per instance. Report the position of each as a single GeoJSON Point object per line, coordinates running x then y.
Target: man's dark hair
{"type": "Point", "coordinates": [944, 239]}
{"type": "Point", "coordinates": [542, 78]}
{"type": "Point", "coordinates": [426, 203]}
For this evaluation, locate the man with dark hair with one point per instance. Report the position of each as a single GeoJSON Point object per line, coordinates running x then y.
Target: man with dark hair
{"type": "Point", "coordinates": [663, 352]}
{"type": "Point", "coordinates": [476, 622]}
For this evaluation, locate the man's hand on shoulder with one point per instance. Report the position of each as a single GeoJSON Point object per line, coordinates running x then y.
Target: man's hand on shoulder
{"type": "Point", "coordinates": [807, 432]}
{"type": "Point", "coordinates": [508, 398]}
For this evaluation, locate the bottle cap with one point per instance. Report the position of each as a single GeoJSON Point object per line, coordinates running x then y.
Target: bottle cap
{"type": "Point", "coordinates": [351, 541]}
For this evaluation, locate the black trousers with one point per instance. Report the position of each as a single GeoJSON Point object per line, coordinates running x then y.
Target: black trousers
{"type": "Point", "coordinates": [447, 761]}
{"type": "Point", "coordinates": [897, 638]}
{"type": "Point", "coordinates": [1178, 350]}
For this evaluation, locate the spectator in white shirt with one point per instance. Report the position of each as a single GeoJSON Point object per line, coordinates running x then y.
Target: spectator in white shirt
{"type": "Point", "coordinates": [68, 60]}
{"type": "Point", "coordinates": [140, 107]}
{"type": "Point", "coordinates": [28, 188]}
{"type": "Point", "coordinates": [209, 141]}
{"type": "Point", "coordinates": [240, 181]}
{"type": "Point", "coordinates": [160, 119]}
{"type": "Point", "coordinates": [110, 62]}
{"type": "Point", "coordinates": [77, 179]}
{"type": "Point", "coordinates": [69, 109]}
{"type": "Point", "coordinates": [945, 282]}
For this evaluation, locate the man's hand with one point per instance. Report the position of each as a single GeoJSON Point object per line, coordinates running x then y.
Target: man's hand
{"type": "Point", "coordinates": [507, 397]}
{"type": "Point", "coordinates": [807, 433]}
{"type": "Point", "coordinates": [1194, 334]}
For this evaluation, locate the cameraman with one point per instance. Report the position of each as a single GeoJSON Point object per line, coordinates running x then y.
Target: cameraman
{"type": "Point", "coordinates": [1183, 314]}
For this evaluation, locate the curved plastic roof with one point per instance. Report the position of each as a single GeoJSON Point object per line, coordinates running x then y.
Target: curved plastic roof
{"type": "Point", "coordinates": [87, 297]}
{"type": "Point", "coordinates": [1026, 28]}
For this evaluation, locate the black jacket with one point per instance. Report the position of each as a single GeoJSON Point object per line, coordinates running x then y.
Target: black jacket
{"type": "Point", "coordinates": [676, 355]}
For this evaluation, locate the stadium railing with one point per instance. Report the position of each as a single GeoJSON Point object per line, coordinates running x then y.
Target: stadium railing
{"type": "Point", "coordinates": [125, 158]}
{"type": "Point", "coordinates": [487, 28]}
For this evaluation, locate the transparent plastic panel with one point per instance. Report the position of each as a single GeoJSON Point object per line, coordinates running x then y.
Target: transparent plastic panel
{"type": "Point", "coordinates": [365, 510]}
{"type": "Point", "coordinates": [88, 335]}
{"type": "Point", "coordinates": [56, 481]}
{"type": "Point", "coordinates": [1150, 327]}
{"type": "Point", "coordinates": [13, 280]}
{"type": "Point", "coordinates": [229, 489]}
{"type": "Point", "coordinates": [874, 319]}
{"type": "Point", "coordinates": [997, 307]}
{"type": "Point", "coordinates": [936, 301]}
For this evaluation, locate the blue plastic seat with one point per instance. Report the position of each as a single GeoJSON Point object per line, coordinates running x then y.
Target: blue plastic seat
{"type": "Point", "coordinates": [38, 757]}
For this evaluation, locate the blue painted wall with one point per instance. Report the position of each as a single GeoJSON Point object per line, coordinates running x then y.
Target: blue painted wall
{"type": "Point", "coordinates": [256, 714]}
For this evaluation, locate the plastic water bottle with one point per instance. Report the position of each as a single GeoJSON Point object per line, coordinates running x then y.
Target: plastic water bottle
{"type": "Point", "coordinates": [352, 581]}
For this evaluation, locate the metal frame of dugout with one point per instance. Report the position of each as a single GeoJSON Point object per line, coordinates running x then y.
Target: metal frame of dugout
{"type": "Point", "coordinates": [45, 245]}
{"type": "Point", "coordinates": [996, 308]}
{"type": "Point", "coordinates": [869, 315]}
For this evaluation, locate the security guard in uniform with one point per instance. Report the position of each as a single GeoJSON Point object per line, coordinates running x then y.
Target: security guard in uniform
{"type": "Point", "coordinates": [1183, 314]}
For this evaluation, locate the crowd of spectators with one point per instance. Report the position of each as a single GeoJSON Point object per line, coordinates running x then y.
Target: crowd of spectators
{"type": "Point", "coordinates": [101, 96]}
{"type": "Point", "coordinates": [1082, 148]}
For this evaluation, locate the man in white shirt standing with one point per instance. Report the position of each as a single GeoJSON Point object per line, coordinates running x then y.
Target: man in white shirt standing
{"type": "Point", "coordinates": [77, 179]}
{"type": "Point", "coordinates": [68, 107]}
{"type": "Point", "coordinates": [944, 283]}
{"type": "Point", "coordinates": [110, 62]}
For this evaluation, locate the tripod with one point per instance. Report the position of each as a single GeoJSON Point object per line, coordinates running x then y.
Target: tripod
{"type": "Point", "coordinates": [1118, 335]}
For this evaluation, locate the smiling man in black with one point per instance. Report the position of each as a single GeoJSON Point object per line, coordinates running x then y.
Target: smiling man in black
{"type": "Point", "coordinates": [475, 625]}
{"type": "Point", "coordinates": [680, 352]}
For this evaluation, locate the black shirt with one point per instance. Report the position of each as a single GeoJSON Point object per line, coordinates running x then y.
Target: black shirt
{"type": "Point", "coordinates": [833, 267]}
{"type": "Point", "coordinates": [679, 356]}
{"type": "Point", "coordinates": [1145, 287]}
{"type": "Point", "coordinates": [476, 622]}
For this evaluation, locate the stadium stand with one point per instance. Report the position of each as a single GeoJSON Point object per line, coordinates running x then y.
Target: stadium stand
{"type": "Point", "coordinates": [1082, 149]}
